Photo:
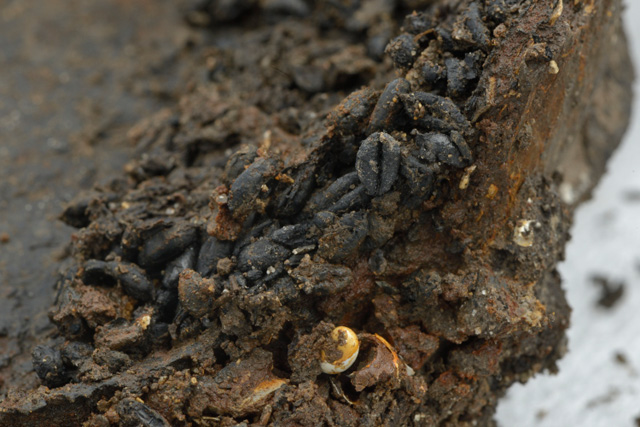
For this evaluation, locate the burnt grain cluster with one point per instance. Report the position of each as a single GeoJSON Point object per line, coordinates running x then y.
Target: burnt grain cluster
{"type": "Point", "coordinates": [310, 185]}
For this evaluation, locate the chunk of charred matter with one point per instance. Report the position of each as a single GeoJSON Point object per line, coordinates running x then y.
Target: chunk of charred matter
{"type": "Point", "coordinates": [461, 144]}
{"type": "Point", "coordinates": [402, 50]}
{"type": "Point", "coordinates": [132, 278]}
{"type": "Point", "coordinates": [69, 322]}
{"type": "Point", "coordinates": [388, 112]}
{"type": "Point", "coordinates": [418, 23]}
{"type": "Point", "coordinates": [322, 199]}
{"type": "Point", "coordinates": [76, 357]}
{"type": "Point", "coordinates": [212, 251]}
{"type": "Point", "coordinates": [238, 162]}
{"type": "Point", "coordinates": [377, 163]}
{"type": "Point", "coordinates": [293, 236]}
{"type": "Point", "coordinates": [469, 30]}
{"type": "Point", "coordinates": [335, 194]}
{"type": "Point", "coordinates": [434, 74]}
{"type": "Point", "coordinates": [432, 112]}
{"type": "Point", "coordinates": [462, 74]}
{"type": "Point", "coordinates": [262, 256]}
{"type": "Point", "coordinates": [175, 267]}
{"type": "Point", "coordinates": [291, 197]}
{"type": "Point", "coordinates": [343, 237]}
{"type": "Point", "coordinates": [252, 230]}
{"type": "Point", "coordinates": [166, 244]}
{"type": "Point", "coordinates": [353, 113]}
{"type": "Point", "coordinates": [445, 40]}
{"type": "Point", "coordinates": [353, 200]}
{"type": "Point", "coordinates": [135, 413]}
{"type": "Point", "coordinates": [130, 243]}
{"type": "Point", "coordinates": [250, 189]}
{"type": "Point", "coordinates": [436, 147]}
{"type": "Point", "coordinates": [99, 273]}
{"type": "Point", "coordinates": [419, 177]}
{"type": "Point", "coordinates": [197, 294]}
{"type": "Point", "coordinates": [75, 353]}
{"type": "Point", "coordinates": [76, 213]}
{"type": "Point", "coordinates": [134, 281]}
{"type": "Point", "coordinates": [49, 366]}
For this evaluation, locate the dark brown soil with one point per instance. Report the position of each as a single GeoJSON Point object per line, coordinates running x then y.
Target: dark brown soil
{"type": "Point", "coordinates": [304, 174]}
{"type": "Point", "coordinates": [74, 77]}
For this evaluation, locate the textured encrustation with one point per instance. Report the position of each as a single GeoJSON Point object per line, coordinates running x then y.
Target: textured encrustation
{"type": "Point", "coordinates": [204, 291]}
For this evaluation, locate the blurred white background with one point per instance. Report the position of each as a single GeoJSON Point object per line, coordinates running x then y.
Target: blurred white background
{"type": "Point", "coordinates": [599, 379]}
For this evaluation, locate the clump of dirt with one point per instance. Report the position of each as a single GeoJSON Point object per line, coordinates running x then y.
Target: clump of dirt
{"type": "Point", "coordinates": [422, 211]}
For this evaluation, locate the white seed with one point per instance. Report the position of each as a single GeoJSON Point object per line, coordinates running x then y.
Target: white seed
{"type": "Point", "coordinates": [348, 344]}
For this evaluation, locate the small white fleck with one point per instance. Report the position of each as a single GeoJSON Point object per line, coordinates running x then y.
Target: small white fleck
{"type": "Point", "coordinates": [419, 417]}
{"type": "Point", "coordinates": [523, 233]}
{"type": "Point", "coordinates": [567, 193]}
{"type": "Point", "coordinates": [464, 181]}
{"type": "Point", "coordinates": [410, 371]}
{"type": "Point", "coordinates": [303, 249]}
{"type": "Point", "coordinates": [144, 321]}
